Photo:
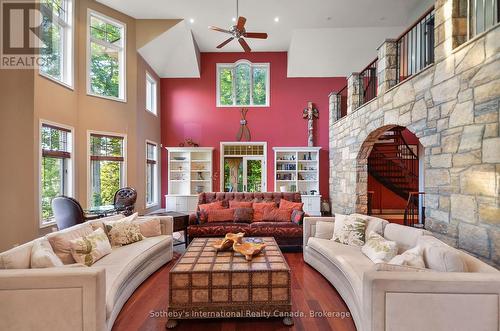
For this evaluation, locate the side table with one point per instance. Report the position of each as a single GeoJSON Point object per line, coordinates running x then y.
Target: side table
{"type": "Point", "coordinates": [181, 222]}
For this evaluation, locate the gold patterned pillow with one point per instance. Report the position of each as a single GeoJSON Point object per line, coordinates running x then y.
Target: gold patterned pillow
{"type": "Point", "coordinates": [90, 248]}
{"type": "Point", "coordinates": [124, 231]}
{"type": "Point", "coordinates": [349, 230]}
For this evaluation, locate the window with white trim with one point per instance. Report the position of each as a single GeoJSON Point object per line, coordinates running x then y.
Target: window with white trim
{"type": "Point", "coordinates": [106, 57]}
{"type": "Point", "coordinates": [151, 94]}
{"type": "Point", "coordinates": [57, 35]}
{"type": "Point", "coordinates": [242, 84]}
{"type": "Point", "coordinates": [483, 14]}
{"type": "Point", "coordinates": [107, 168]}
{"type": "Point", "coordinates": [55, 167]}
{"type": "Point", "coordinates": [151, 174]}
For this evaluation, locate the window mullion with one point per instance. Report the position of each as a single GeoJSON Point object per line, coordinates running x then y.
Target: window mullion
{"type": "Point", "coordinates": [251, 85]}
{"type": "Point", "coordinates": [233, 81]}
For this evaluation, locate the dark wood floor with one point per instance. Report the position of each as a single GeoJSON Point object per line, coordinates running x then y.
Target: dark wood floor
{"type": "Point", "coordinates": [310, 292]}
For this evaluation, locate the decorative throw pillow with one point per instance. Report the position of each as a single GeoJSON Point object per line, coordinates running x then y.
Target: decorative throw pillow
{"type": "Point", "coordinates": [258, 210]}
{"type": "Point", "coordinates": [273, 214]}
{"type": "Point", "coordinates": [396, 267]}
{"type": "Point", "coordinates": [221, 215]}
{"type": "Point", "coordinates": [90, 248]}
{"type": "Point", "coordinates": [240, 204]}
{"type": "Point", "coordinates": [149, 227]}
{"type": "Point", "coordinates": [378, 249]}
{"type": "Point", "coordinates": [43, 256]}
{"type": "Point", "coordinates": [243, 215]}
{"type": "Point", "coordinates": [285, 204]}
{"type": "Point", "coordinates": [124, 231]}
{"type": "Point", "coordinates": [297, 216]}
{"type": "Point", "coordinates": [412, 258]}
{"type": "Point", "coordinates": [349, 230]}
{"type": "Point", "coordinates": [324, 230]}
{"type": "Point", "coordinates": [212, 205]}
{"type": "Point", "coordinates": [60, 240]}
{"type": "Point", "coordinates": [201, 216]}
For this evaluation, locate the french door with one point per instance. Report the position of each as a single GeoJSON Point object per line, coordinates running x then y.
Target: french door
{"type": "Point", "coordinates": [243, 173]}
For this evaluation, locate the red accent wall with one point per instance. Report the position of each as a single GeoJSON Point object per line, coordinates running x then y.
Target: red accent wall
{"type": "Point", "coordinates": [188, 109]}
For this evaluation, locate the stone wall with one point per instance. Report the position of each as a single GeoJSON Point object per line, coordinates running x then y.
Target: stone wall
{"type": "Point", "coordinates": [452, 106]}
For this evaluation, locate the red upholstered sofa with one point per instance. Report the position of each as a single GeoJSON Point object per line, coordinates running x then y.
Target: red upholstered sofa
{"type": "Point", "coordinates": [287, 234]}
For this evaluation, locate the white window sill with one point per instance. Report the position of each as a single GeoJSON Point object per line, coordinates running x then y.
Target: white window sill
{"type": "Point", "coordinates": [151, 205]}
{"type": "Point", "coordinates": [124, 100]}
{"type": "Point", "coordinates": [47, 224]}
{"type": "Point", "coordinates": [57, 81]}
{"type": "Point", "coordinates": [152, 113]}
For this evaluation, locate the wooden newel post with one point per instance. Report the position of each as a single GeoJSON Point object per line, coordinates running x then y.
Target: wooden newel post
{"type": "Point", "coordinates": [310, 113]}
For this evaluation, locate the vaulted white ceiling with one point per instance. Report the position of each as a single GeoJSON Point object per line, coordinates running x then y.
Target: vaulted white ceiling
{"type": "Point", "coordinates": [297, 19]}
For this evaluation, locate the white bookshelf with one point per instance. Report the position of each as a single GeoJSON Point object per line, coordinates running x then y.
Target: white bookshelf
{"type": "Point", "coordinates": [190, 169]}
{"type": "Point", "coordinates": [296, 169]}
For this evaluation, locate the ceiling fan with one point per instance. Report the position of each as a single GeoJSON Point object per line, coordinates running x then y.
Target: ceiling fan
{"type": "Point", "coordinates": [238, 32]}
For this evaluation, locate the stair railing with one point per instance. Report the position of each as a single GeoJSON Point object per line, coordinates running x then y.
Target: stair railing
{"type": "Point", "coordinates": [415, 210]}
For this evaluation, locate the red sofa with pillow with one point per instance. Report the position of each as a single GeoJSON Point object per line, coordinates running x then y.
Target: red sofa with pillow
{"type": "Point", "coordinates": [224, 212]}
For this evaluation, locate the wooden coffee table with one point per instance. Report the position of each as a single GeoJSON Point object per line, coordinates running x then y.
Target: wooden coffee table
{"type": "Point", "coordinates": [205, 283]}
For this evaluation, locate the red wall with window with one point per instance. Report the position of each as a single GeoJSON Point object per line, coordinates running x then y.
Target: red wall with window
{"type": "Point", "coordinates": [188, 109]}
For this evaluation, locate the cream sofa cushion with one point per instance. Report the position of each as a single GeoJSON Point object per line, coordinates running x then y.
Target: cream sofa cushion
{"type": "Point", "coordinates": [378, 249]}
{"type": "Point", "coordinates": [43, 256]}
{"type": "Point", "coordinates": [90, 248]}
{"type": "Point", "coordinates": [324, 230]}
{"type": "Point", "coordinates": [60, 240]}
{"type": "Point", "coordinates": [99, 223]}
{"type": "Point", "coordinates": [149, 227]}
{"type": "Point", "coordinates": [412, 258]}
{"type": "Point", "coordinates": [125, 262]}
{"type": "Point", "coordinates": [405, 236]}
{"type": "Point", "coordinates": [18, 257]}
{"type": "Point", "coordinates": [349, 230]}
{"type": "Point", "coordinates": [348, 259]}
{"type": "Point", "coordinates": [441, 257]}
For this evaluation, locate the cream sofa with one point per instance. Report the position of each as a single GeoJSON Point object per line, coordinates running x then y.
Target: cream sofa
{"type": "Point", "coordinates": [402, 300]}
{"type": "Point", "coordinates": [77, 298]}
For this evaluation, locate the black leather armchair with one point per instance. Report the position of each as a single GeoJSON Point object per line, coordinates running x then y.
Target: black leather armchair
{"type": "Point", "coordinates": [68, 212]}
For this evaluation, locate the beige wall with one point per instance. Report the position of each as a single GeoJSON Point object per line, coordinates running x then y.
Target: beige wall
{"type": "Point", "coordinates": [27, 98]}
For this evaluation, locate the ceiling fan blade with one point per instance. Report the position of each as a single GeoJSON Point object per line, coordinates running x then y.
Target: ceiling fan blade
{"type": "Point", "coordinates": [244, 44]}
{"type": "Point", "coordinates": [225, 42]}
{"type": "Point", "coordinates": [241, 23]}
{"type": "Point", "coordinates": [259, 35]}
{"type": "Point", "coordinates": [218, 29]}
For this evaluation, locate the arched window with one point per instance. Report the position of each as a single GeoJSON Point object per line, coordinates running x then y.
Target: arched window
{"type": "Point", "coordinates": [242, 84]}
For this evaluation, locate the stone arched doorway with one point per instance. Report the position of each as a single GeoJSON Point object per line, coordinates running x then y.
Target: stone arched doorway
{"type": "Point", "coordinates": [389, 170]}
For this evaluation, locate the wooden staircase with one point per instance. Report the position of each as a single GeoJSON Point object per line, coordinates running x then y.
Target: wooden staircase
{"type": "Point", "coordinates": [394, 164]}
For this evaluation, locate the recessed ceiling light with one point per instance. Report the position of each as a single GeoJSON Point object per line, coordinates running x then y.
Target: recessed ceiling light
{"type": "Point", "coordinates": [276, 19]}
{"type": "Point", "coordinates": [234, 19]}
{"type": "Point", "coordinates": [191, 20]}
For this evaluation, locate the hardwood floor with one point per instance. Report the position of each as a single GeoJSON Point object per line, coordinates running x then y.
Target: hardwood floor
{"type": "Point", "coordinates": [310, 293]}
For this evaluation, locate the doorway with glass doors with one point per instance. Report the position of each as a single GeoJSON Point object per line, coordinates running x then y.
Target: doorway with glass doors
{"type": "Point", "coordinates": [244, 167]}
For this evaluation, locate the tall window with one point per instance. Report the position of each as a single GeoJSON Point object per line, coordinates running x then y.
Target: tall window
{"type": "Point", "coordinates": [57, 36]}
{"type": "Point", "coordinates": [151, 174]}
{"type": "Point", "coordinates": [483, 14]}
{"type": "Point", "coordinates": [55, 167]}
{"type": "Point", "coordinates": [107, 168]}
{"type": "Point", "coordinates": [243, 84]}
{"type": "Point", "coordinates": [106, 57]}
{"type": "Point", "coordinates": [151, 94]}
